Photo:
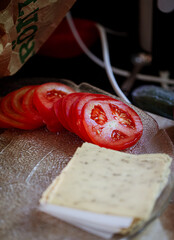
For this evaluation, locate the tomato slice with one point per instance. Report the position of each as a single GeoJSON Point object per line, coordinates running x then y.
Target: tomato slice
{"type": "Point", "coordinates": [44, 98]}
{"type": "Point", "coordinates": [76, 118]}
{"type": "Point", "coordinates": [7, 122]}
{"type": "Point", "coordinates": [16, 98]}
{"type": "Point", "coordinates": [29, 108]}
{"type": "Point", "coordinates": [67, 105]}
{"type": "Point", "coordinates": [111, 123]}
{"type": "Point", "coordinates": [62, 110]}
{"type": "Point", "coordinates": [22, 103]}
{"type": "Point", "coordinates": [3, 119]}
{"type": "Point", "coordinates": [7, 109]}
{"type": "Point", "coordinates": [76, 115]}
{"type": "Point", "coordinates": [59, 113]}
{"type": "Point", "coordinates": [12, 107]}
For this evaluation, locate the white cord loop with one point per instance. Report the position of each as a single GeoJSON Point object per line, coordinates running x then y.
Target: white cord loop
{"type": "Point", "coordinates": [106, 64]}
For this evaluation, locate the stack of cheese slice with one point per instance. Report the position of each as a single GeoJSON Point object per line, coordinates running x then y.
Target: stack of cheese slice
{"type": "Point", "coordinates": [105, 191]}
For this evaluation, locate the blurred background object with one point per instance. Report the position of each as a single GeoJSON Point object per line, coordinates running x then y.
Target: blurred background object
{"type": "Point", "coordinates": [132, 28]}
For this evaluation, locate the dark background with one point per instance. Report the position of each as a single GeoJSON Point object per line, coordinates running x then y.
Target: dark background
{"type": "Point", "coordinates": [121, 16]}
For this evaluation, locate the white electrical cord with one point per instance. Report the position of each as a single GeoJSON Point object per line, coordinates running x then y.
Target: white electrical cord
{"type": "Point", "coordinates": [81, 43]}
{"type": "Point", "coordinates": [115, 70]}
{"type": "Point", "coordinates": [106, 64]}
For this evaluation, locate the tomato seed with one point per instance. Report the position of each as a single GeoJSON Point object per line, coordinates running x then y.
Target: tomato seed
{"type": "Point", "coordinates": [117, 135]}
{"type": "Point", "coordinates": [98, 115]}
{"type": "Point", "coordinates": [55, 94]}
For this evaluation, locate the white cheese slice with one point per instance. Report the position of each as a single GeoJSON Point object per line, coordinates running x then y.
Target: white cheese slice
{"type": "Point", "coordinates": [96, 222]}
{"type": "Point", "coordinates": [108, 183]}
{"type": "Point", "coordinates": [111, 182]}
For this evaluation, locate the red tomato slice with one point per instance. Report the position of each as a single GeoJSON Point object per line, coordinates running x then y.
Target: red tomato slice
{"type": "Point", "coordinates": [75, 118]}
{"type": "Point", "coordinates": [59, 113]}
{"type": "Point", "coordinates": [62, 110]}
{"type": "Point", "coordinates": [3, 119]}
{"type": "Point", "coordinates": [111, 123]}
{"type": "Point", "coordinates": [68, 113]}
{"type": "Point", "coordinates": [44, 98]}
{"type": "Point", "coordinates": [16, 98]}
{"type": "Point", "coordinates": [7, 122]}
{"type": "Point", "coordinates": [12, 107]}
{"type": "Point", "coordinates": [29, 108]}
{"type": "Point", "coordinates": [6, 107]}
{"type": "Point", "coordinates": [77, 113]}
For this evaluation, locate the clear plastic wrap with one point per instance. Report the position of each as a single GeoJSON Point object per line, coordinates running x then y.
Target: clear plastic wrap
{"type": "Point", "coordinates": [24, 26]}
{"type": "Point", "coordinates": [30, 160]}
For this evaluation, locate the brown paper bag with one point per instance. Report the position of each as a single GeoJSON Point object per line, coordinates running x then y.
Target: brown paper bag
{"type": "Point", "coordinates": [24, 26]}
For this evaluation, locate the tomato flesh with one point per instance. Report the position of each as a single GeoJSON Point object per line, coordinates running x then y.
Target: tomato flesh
{"type": "Point", "coordinates": [8, 110]}
{"type": "Point", "coordinates": [59, 113]}
{"type": "Point", "coordinates": [29, 108]}
{"type": "Point", "coordinates": [7, 122]}
{"type": "Point", "coordinates": [11, 106]}
{"type": "Point", "coordinates": [17, 97]}
{"type": "Point", "coordinates": [44, 98]}
{"type": "Point", "coordinates": [22, 103]}
{"type": "Point", "coordinates": [72, 112]}
{"type": "Point", "coordinates": [4, 121]}
{"type": "Point", "coordinates": [77, 113]}
{"type": "Point", "coordinates": [68, 111]}
{"type": "Point", "coordinates": [111, 123]}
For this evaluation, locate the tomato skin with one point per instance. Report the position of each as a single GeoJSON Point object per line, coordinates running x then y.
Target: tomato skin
{"type": "Point", "coordinates": [44, 98]}
{"type": "Point", "coordinates": [29, 108]}
{"type": "Point", "coordinates": [68, 105]}
{"type": "Point", "coordinates": [17, 97]}
{"type": "Point", "coordinates": [3, 122]}
{"type": "Point", "coordinates": [115, 129]}
{"type": "Point", "coordinates": [21, 102]}
{"type": "Point", "coordinates": [59, 113]}
{"type": "Point", "coordinates": [3, 119]}
{"type": "Point", "coordinates": [76, 118]}
{"type": "Point", "coordinates": [7, 122]}
{"type": "Point", "coordinates": [7, 110]}
{"type": "Point", "coordinates": [62, 110]}
{"type": "Point", "coordinates": [11, 106]}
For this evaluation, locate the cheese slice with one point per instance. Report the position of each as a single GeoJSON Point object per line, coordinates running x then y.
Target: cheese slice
{"type": "Point", "coordinates": [110, 182]}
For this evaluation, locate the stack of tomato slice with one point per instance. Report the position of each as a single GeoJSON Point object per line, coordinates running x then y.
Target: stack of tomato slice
{"type": "Point", "coordinates": [18, 111]}
{"type": "Point", "coordinates": [95, 118]}
{"type": "Point", "coordinates": [31, 107]}
{"type": "Point", "coordinates": [99, 119]}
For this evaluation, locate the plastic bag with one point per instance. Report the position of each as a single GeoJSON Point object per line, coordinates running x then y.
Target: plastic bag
{"type": "Point", "coordinates": [24, 26]}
